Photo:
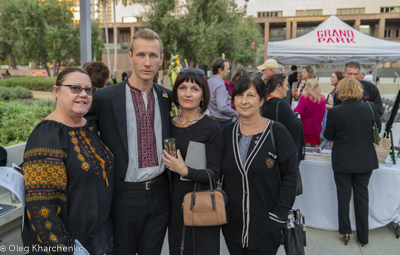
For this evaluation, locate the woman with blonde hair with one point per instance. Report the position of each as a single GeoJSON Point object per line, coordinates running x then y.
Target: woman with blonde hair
{"type": "Point", "coordinates": [349, 129]}
{"type": "Point", "coordinates": [308, 72]}
{"type": "Point", "coordinates": [311, 108]}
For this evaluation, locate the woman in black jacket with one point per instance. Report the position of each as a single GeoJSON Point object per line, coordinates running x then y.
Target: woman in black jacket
{"type": "Point", "coordinates": [258, 203]}
{"type": "Point", "coordinates": [349, 131]}
{"type": "Point", "coordinates": [279, 110]}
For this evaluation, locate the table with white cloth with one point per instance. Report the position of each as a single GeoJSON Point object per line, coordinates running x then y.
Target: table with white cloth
{"type": "Point", "coordinates": [319, 201]}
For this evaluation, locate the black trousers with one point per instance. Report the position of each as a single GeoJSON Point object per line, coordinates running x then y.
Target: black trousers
{"type": "Point", "coordinates": [140, 220]}
{"type": "Point", "coordinates": [359, 182]}
{"type": "Point", "coordinates": [236, 249]}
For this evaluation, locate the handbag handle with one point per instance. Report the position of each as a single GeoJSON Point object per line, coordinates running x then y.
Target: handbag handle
{"type": "Point", "coordinates": [211, 191]}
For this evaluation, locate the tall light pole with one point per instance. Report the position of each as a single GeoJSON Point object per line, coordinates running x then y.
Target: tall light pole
{"type": "Point", "coordinates": [85, 31]}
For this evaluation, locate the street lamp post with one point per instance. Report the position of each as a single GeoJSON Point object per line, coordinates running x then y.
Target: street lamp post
{"type": "Point", "coordinates": [85, 32]}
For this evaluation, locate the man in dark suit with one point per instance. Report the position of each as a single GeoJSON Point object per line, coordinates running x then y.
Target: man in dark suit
{"type": "Point", "coordinates": [371, 92]}
{"type": "Point", "coordinates": [291, 78]}
{"type": "Point", "coordinates": [133, 120]}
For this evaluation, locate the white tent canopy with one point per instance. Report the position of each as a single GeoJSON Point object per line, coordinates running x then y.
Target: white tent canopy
{"type": "Point", "coordinates": [334, 42]}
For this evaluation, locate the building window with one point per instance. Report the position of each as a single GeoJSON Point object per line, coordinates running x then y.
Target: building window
{"type": "Point", "coordinates": [269, 14]}
{"type": "Point", "coordinates": [277, 34]}
{"type": "Point", "coordinates": [309, 12]}
{"type": "Point", "coordinates": [348, 11]}
{"type": "Point", "coordinates": [398, 33]}
{"type": "Point", "coordinates": [388, 33]}
{"type": "Point", "coordinates": [125, 39]}
{"type": "Point", "coordinates": [390, 9]}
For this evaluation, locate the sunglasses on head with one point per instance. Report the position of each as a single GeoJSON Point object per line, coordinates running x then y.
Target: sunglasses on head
{"type": "Point", "coordinates": [75, 89]}
{"type": "Point", "coordinates": [196, 70]}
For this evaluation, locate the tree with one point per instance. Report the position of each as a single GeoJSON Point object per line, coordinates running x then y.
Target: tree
{"type": "Point", "coordinates": [21, 25]}
{"type": "Point", "coordinates": [43, 31]}
{"type": "Point", "coordinates": [202, 30]}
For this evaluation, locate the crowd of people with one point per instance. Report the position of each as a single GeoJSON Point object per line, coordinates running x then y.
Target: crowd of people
{"type": "Point", "coordinates": [97, 173]}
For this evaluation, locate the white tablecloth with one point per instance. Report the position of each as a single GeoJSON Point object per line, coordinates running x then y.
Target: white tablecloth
{"type": "Point", "coordinates": [319, 202]}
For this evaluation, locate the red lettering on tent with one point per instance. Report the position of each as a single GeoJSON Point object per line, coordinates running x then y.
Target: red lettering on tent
{"type": "Point", "coordinates": [327, 33]}
{"type": "Point", "coordinates": [335, 33]}
{"type": "Point", "coordinates": [350, 40]}
{"type": "Point", "coordinates": [350, 35]}
{"type": "Point", "coordinates": [340, 40]}
{"type": "Point", "coordinates": [321, 39]}
{"type": "Point", "coordinates": [320, 33]}
{"type": "Point", "coordinates": [330, 40]}
{"type": "Point", "coordinates": [342, 33]}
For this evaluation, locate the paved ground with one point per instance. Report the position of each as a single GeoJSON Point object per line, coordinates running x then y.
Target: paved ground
{"type": "Point", "coordinates": [321, 242]}
{"type": "Point", "coordinates": [43, 95]}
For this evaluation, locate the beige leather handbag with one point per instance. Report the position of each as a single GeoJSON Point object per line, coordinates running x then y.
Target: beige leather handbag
{"type": "Point", "coordinates": [205, 207]}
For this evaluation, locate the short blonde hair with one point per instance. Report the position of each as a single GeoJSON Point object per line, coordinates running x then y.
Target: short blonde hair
{"type": "Point", "coordinates": [146, 34]}
{"type": "Point", "coordinates": [349, 89]}
{"type": "Point", "coordinates": [313, 89]}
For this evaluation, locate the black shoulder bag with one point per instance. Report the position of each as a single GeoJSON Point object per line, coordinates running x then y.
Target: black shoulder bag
{"type": "Point", "coordinates": [294, 233]}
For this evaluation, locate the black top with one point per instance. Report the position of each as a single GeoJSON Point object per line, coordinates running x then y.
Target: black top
{"type": "Point", "coordinates": [258, 204]}
{"type": "Point", "coordinates": [288, 119]}
{"type": "Point", "coordinates": [349, 126]}
{"type": "Point", "coordinates": [207, 131]}
{"type": "Point", "coordinates": [371, 93]}
{"type": "Point", "coordinates": [292, 78]}
{"type": "Point", "coordinates": [68, 188]}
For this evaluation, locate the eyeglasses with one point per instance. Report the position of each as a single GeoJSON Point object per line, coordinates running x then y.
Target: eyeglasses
{"type": "Point", "coordinates": [196, 70]}
{"type": "Point", "coordinates": [75, 89]}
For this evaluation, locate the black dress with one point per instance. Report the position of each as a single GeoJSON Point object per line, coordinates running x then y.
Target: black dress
{"type": "Point", "coordinates": [206, 239]}
{"type": "Point", "coordinates": [68, 189]}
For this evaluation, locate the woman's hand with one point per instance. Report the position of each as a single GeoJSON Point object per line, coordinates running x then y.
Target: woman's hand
{"type": "Point", "coordinates": [176, 165]}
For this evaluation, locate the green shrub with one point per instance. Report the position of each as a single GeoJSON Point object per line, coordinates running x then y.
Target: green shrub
{"type": "Point", "coordinates": [17, 120]}
{"type": "Point", "coordinates": [36, 83]}
{"type": "Point", "coordinates": [14, 93]}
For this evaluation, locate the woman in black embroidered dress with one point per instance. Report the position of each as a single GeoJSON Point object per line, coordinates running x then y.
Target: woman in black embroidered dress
{"type": "Point", "coordinates": [250, 167]}
{"type": "Point", "coordinates": [191, 94]}
{"type": "Point", "coordinates": [68, 179]}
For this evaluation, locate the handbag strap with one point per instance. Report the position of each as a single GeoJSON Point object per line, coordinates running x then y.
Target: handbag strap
{"type": "Point", "coordinates": [273, 146]}
{"type": "Point", "coordinates": [373, 115]}
{"type": "Point", "coordinates": [277, 107]}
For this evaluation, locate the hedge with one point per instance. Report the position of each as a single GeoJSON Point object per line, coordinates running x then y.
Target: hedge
{"type": "Point", "coordinates": [14, 93]}
{"type": "Point", "coordinates": [36, 83]}
{"type": "Point", "coordinates": [18, 119]}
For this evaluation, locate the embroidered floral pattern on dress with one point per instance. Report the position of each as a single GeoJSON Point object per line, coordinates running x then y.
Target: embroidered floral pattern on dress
{"type": "Point", "coordinates": [48, 225]}
{"type": "Point", "coordinates": [44, 212]}
{"type": "Point", "coordinates": [58, 209]}
{"type": "Point", "coordinates": [85, 166]}
{"type": "Point", "coordinates": [45, 151]}
{"type": "Point", "coordinates": [53, 237]}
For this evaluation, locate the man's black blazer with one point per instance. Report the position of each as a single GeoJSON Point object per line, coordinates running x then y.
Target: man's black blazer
{"type": "Point", "coordinates": [108, 111]}
{"type": "Point", "coordinates": [292, 78]}
{"type": "Point", "coordinates": [371, 94]}
{"type": "Point", "coordinates": [349, 126]}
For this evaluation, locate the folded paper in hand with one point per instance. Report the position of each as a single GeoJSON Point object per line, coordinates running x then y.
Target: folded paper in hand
{"type": "Point", "coordinates": [195, 156]}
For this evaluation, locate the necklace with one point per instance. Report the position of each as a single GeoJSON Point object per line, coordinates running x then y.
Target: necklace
{"type": "Point", "coordinates": [191, 122]}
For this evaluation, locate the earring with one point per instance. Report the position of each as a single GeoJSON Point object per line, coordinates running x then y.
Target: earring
{"type": "Point", "coordinates": [202, 103]}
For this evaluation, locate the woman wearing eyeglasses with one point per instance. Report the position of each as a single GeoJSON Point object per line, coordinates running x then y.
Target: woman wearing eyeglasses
{"type": "Point", "coordinates": [68, 175]}
{"type": "Point", "coordinates": [192, 95]}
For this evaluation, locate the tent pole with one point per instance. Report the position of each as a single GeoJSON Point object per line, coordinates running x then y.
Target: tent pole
{"type": "Point", "coordinates": [375, 70]}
